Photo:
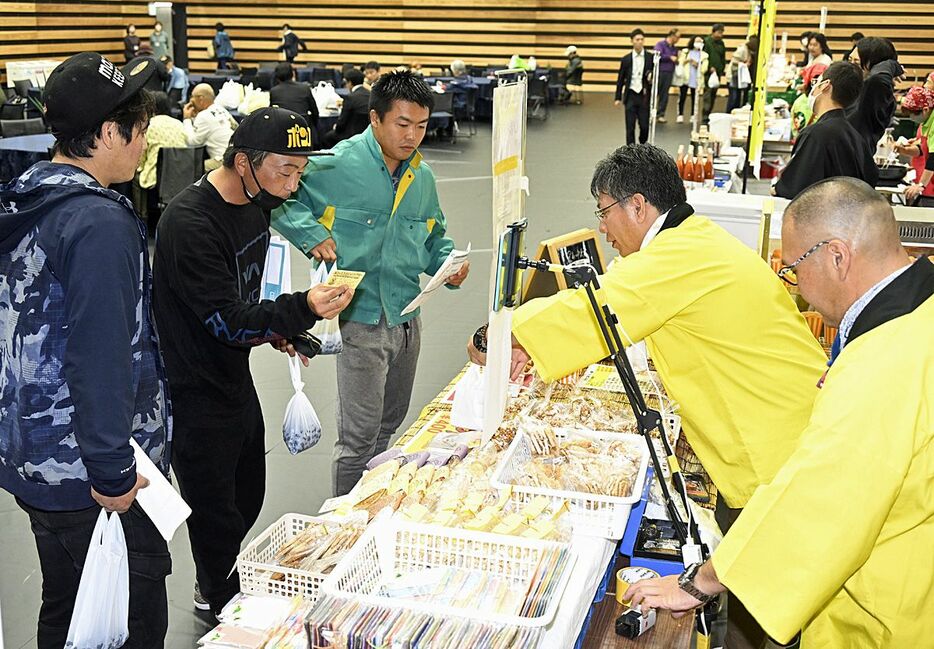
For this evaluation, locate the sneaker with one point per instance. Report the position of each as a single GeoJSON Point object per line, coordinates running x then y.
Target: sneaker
{"type": "Point", "coordinates": [200, 603]}
{"type": "Point", "coordinates": [680, 119]}
{"type": "Point", "coordinates": [662, 120]}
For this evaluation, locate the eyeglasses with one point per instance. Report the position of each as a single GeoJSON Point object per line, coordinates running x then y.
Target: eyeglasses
{"type": "Point", "coordinates": [601, 213]}
{"type": "Point", "coordinates": [787, 273]}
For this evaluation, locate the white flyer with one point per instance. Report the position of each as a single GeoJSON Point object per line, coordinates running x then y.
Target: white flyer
{"type": "Point", "coordinates": [451, 266]}
{"type": "Point", "coordinates": [159, 500]}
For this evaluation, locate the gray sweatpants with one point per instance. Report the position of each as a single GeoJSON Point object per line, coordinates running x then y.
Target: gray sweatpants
{"type": "Point", "coordinates": [375, 374]}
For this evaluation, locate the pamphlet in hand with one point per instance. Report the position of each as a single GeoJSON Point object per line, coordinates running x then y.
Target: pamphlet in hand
{"type": "Point", "coordinates": [451, 266]}
{"type": "Point", "coordinates": [159, 500]}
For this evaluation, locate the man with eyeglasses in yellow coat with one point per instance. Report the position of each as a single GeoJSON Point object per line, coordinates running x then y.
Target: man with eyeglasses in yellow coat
{"type": "Point", "coordinates": [841, 542]}
{"type": "Point", "coordinates": [726, 338]}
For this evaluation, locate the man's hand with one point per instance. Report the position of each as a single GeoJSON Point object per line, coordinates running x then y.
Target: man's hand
{"type": "Point", "coordinates": [475, 355]}
{"type": "Point", "coordinates": [913, 191]}
{"type": "Point", "coordinates": [188, 111]}
{"type": "Point", "coordinates": [458, 278]}
{"type": "Point", "coordinates": [663, 593]}
{"type": "Point", "coordinates": [520, 358]}
{"type": "Point", "coordinates": [283, 346]}
{"type": "Point", "coordinates": [122, 503]}
{"type": "Point", "coordinates": [327, 301]}
{"type": "Point", "coordinates": [325, 251]}
{"type": "Point", "coordinates": [617, 102]}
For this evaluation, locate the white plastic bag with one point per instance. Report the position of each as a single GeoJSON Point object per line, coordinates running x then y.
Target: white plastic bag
{"type": "Point", "coordinates": [743, 77]}
{"type": "Point", "coordinates": [300, 429]}
{"type": "Point", "coordinates": [253, 99]}
{"type": "Point", "coordinates": [469, 398]}
{"type": "Point", "coordinates": [326, 98]}
{"type": "Point", "coordinates": [102, 606]}
{"type": "Point", "coordinates": [231, 94]}
{"type": "Point", "coordinates": [327, 331]}
{"type": "Point", "coordinates": [713, 81]}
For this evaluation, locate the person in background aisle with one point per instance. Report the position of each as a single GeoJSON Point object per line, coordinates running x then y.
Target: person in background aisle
{"type": "Point", "coordinates": [634, 87]}
{"type": "Point", "coordinates": [374, 208]}
{"type": "Point", "coordinates": [355, 111]}
{"type": "Point", "coordinates": [177, 85]}
{"type": "Point", "coordinates": [164, 131]}
{"type": "Point", "coordinates": [459, 70]}
{"type": "Point", "coordinates": [741, 73]}
{"type": "Point", "coordinates": [158, 41]}
{"type": "Point", "coordinates": [855, 37]}
{"type": "Point", "coordinates": [574, 75]}
{"type": "Point", "coordinates": [830, 146]}
{"type": "Point", "coordinates": [207, 280]}
{"type": "Point", "coordinates": [919, 104]}
{"type": "Point", "coordinates": [290, 44]}
{"type": "Point", "coordinates": [223, 48]}
{"type": "Point", "coordinates": [131, 43]}
{"type": "Point", "coordinates": [849, 516]}
{"type": "Point", "coordinates": [872, 113]}
{"type": "Point", "coordinates": [713, 315]}
{"type": "Point", "coordinates": [802, 112]}
{"type": "Point", "coordinates": [667, 50]}
{"type": "Point", "coordinates": [804, 40]}
{"type": "Point", "coordinates": [294, 95]}
{"type": "Point", "coordinates": [370, 74]}
{"type": "Point", "coordinates": [79, 356]}
{"type": "Point", "coordinates": [818, 50]}
{"type": "Point", "coordinates": [208, 124]}
{"type": "Point", "coordinates": [716, 51]}
{"type": "Point", "coordinates": [693, 62]}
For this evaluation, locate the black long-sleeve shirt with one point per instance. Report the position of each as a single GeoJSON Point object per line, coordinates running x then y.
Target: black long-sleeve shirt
{"type": "Point", "coordinates": [207, 277]}
{"type": "Point", "coordinates": [829, 147]}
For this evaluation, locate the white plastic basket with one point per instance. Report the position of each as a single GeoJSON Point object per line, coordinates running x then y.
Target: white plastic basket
{"type": "Point", "coordinates": [256, 568]}
{"type": "Point", "coordinates": [590, 514]}
{"type": "Point", "coordinates": [391, 548]}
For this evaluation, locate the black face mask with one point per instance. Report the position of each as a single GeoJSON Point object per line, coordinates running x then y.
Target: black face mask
{"type": "Point", "coordinates": [263, 199]}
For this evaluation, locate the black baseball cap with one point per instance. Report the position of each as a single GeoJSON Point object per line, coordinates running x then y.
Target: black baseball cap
{"type": "Point", "coordinates": [275, 130]}
{"type": "Point", "coordinates": [84, 89]}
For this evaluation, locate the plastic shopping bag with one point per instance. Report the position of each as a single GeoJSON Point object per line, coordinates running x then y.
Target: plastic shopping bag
{"type": "Point", "coordinates": [469, 398]}
{"type": "Point", "coordinates": [327, 331]}
{"type": "Point", "coordinates": [326, 98]}
{"type": "Point", "coordinates": [713, 81]}
{"type": "Point", "coordinates": [102, 606]}
{"type": "Point", "coordinates": [231, 94]}
{"type": "Point", "coordinates": [300, 429]}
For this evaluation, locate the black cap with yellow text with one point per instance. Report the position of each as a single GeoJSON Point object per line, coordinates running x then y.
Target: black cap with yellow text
{"type": "Point", "coordinates": [275, 130]}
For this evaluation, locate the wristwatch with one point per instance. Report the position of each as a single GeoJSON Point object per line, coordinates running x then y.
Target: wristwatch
{"type": "Point", "coordinates": [686, 583]}
{"type": "Point", "coordinates": [479, 339]}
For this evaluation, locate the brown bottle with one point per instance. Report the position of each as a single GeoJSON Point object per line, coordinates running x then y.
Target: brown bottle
{"type": "Point", "coordinates": [708, 165]}
{"type": "Point", "coordinates": [680, 161]}
{"type": "Point", "coordinates": [688, 174]}
{"type": "Point", "coordinates": [699, 168]}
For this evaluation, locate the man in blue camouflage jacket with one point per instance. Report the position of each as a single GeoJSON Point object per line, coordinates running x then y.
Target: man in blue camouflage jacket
{"type": "Point", "coordinates": [80, 369]}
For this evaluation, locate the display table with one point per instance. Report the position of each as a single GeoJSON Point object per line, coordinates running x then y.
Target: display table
{"type": "Point", "coordinates": [34, 71]}
{"type": "Point", "coordinates": [667, 632]}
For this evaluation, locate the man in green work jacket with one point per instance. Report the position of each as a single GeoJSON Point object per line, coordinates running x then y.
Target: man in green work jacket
{"type": "Point", "coordinates": [373, 207]}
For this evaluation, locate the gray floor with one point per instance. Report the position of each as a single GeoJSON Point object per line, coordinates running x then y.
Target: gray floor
{"type": "Point", "coordinates": [561, 153]}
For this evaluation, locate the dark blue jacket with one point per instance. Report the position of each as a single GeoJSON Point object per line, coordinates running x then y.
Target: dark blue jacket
{"type": "Point", "coordinates": [80, 370]}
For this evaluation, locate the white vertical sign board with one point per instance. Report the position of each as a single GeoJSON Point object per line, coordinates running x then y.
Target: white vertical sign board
{"type": "Point", "coordinates": [509, 189]}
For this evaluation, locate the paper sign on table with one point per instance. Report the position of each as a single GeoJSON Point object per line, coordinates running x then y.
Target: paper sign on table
{"type": "Point", "coordinates": [159, 500]}
{"type": "Point", "coordinates": [349, 278]}
{"type": "Point", "coordinates": [451, 266]}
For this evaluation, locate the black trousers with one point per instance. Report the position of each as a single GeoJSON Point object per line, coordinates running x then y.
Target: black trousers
{"type": "Point", "coordinates": [742, 630]}
{"type": "Point", "coordinates": [664, 85]}
{"type": "Point", "coordinates": [637, 109]}
{"type": "Point", "coordinates": [62, 540]}
{"type": "Point", "coordinates": [682, 98]}
{"type": "Point", "coordinates": [221, 474]}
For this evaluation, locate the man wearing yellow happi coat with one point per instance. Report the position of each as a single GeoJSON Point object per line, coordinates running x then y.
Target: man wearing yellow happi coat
{"type": "Point", "coordinates": [841, 542]}
{"type": "Point", "coordinates": [726, 338]}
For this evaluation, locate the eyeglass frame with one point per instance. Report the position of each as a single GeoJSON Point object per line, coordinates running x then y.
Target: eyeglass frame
{"type": "Point", "coordinates": [601, 212]}
{"type": "Point", "coordinates": [784, 271]}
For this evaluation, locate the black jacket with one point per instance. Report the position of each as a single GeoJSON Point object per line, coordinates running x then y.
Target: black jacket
{"type": "Point", "coordinates": [355, 114]}
{"type": "Point", "coordinates": [829, 147]}
{"type": "Point", "coordinates": [130, 47]}
{"type": "Point", "coordinates": [624, 77]}
{"type": "Point", "coordinates": [872, 113]}
{"type": "Point", "coordinates": [574, 71]}
{"type": "Point", "coordinates": [291, 45]}
{"type": "Point", "coordinates": [295, 96]}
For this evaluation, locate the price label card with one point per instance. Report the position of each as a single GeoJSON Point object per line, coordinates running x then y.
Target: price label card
{"type": "Point", "coordinates": [351, 278]}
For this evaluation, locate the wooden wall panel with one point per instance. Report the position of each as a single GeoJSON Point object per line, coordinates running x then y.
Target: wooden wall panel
{"type": "Point", "coordinates": [434, 32]}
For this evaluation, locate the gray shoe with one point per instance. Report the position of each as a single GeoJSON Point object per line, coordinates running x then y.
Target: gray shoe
{"type": "Point", "coordinates": [200, 603]}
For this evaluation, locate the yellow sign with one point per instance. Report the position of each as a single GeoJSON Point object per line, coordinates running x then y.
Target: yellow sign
{"type": "Point", "coordinates": [766, 36]}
